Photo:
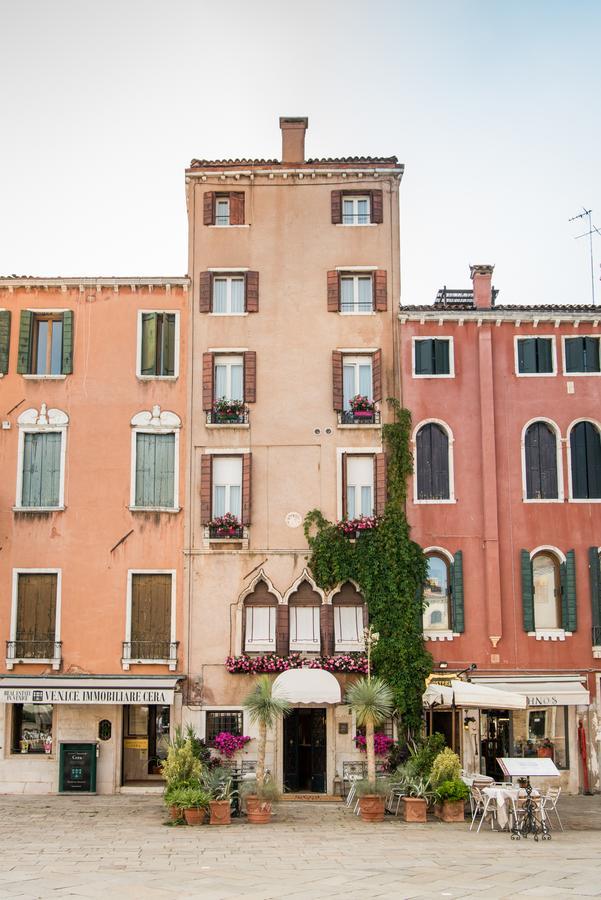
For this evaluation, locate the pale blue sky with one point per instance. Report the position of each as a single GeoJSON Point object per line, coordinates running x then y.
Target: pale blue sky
{"type": "Point", "coordinates": [492, 106]}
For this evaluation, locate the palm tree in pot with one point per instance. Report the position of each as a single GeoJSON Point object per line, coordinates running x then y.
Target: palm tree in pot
{"type": "Point", "coordinates": [264, 710]}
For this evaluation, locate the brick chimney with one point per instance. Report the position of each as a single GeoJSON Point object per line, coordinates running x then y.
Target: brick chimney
{"type": "Point", "coordinates": [293, 139]}
{"type": "Point", "coordinates": [481, 276]}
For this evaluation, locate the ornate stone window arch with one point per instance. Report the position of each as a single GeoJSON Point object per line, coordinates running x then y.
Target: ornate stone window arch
{"type": "Point", "coordinates": [155, 460]}
{"type": "Point", "coordinates": [258, 614]}
{"type": "Point", "coordinates": [42, 454]}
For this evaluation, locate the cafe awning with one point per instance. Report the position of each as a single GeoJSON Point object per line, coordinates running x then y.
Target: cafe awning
{"type": "Point", "coordinates": [471, 696]}
{"type": "Point", "coordinates": [562, 692]}
{"type": "Point", "coordinates": [307, 686]}
{"type": "Point", "coordinates": [88, 689]}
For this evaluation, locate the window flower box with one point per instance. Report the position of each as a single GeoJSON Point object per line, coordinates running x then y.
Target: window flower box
{"type": "Point", "coordinates": [356, 528]}
{"type": "Point", "coordinates": [271, 662]}
{"type": "Point", "coordinates": [362, 408]}
{"type": "Point", "coordinates": [226, 527]}
{"type": "Point", "coordinates": [227, 412]}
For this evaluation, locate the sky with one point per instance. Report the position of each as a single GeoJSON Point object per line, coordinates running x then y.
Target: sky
{"type": "Point", "coordinates": [493, 107]}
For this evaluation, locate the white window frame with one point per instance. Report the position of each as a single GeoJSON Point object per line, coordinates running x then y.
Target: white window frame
{"type": "Point", "coordinates": [33, 376]}
{"type": "Point", "coordinates": [571, 498]}
{"type": "Point", "coordinates": [32, 422]}
{"type": "Point", "coordinates": [126, 663]}
{"type": "Point", "coordinates": [221, 198]}
{"type": "Point", "coordinates": [516, 360]}
{"type": "Point", "coordinates": [351, 451]}
{"type": "Point", "coordinates": [431, 337]}
{"type": "Point", "coordinates": [155, 422]}
{"type": "Point", "coordinates": [355, 201]}
{"type": "Point", "coordinates": [559, 458]}
{"type": "Point", "coordinates": [341, 646]}
{"type": "Point", "coordinates": [56, 661]}
{"type": "Point", "coordinates": [547, 634]}
{"type": "Point", "coordinates": [356, 361]}
{"type": "Point", "coordinates": [229, 276]}
{"type": "Point", "coordinates": [439, 634]}
{"type": "Point", "coordinates": [260, 646]}
{"type": "Point", "coordinates": [356, 275]}
{"type": "Point", "coordinates": [175, 375]}
{"type": "Point", "coordinates": [449, 432]}
{"type": "Point", "coordinates": [233, 455]}
{"type": "Point", "coordinates": [305, 646]}
{"type": "Point", "coordinates": [228, 360]}
{"type": "Point", "coordinates": [565, 337]}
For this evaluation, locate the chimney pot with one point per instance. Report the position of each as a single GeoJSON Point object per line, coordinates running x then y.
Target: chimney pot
{"type": "Point", "coordinates": [293, 138]}
{"type": "Point", "coordinates": [481, 276]}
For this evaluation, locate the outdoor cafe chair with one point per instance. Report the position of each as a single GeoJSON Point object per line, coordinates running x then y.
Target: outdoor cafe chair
{"type": "Point", "coordinates": [353, 779]}
{"type": "Point", "coordinates": [549, 805]}
{"type": "Point", "coordinates": [396, 793]}
{"type": "Point", "coordinates": [485, 806]}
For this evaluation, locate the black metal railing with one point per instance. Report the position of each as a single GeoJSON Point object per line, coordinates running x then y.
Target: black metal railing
{"type": "Point", "coordinates": [349, 417]}
{"type": "Point", "coordinates": [139, 650]}
{"type": "Point", "coordinates": [227, 533]}
{"type": "Point", "coordinates": [44, 648]}
{"type": "Point", "coordinates": [220, 418]}
{"type": "Point", "coordinates": [596, 635]}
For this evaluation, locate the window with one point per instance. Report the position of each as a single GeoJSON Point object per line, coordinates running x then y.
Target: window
{"type": "Point", "coordinates": [35, 624]}
{"type": "Point", "coordinates": [222, 210]}
{"type": "Point", "coordinates": [432, 463]}
{"type": "Point", "coordinates": [581, 355]}
{"type": "Point", "coordinates": [356, 294]}
{"type": "Point", "coordinates": [359, 478]}
{"type": "Point", "coordinates": [150, 634]}
{"type": "Point", "coordinates": [547, 591]}
{"type": "Point", "coordinates": [437, 594]}
{"type": "Point", "coordinates": [227, 486]}
{"type": "Point", "coordinates": [42, 445]}
{"type": "Point", "coordinates": [535, 356]}
{"type": "Point", "coordinates": [5, 318]}
{"type": "Point", "coordinates": [357, 379]}
{"type": "Point", "coordinates": [217, 722]}
{"type": "Point", "coordinates": [158, 345]}
{"type": "Point", "coordinates": [585, 454]}
{"type": "Point", "coordinates": [45, 343]}
{"type": "Point", "coordinates": [348, 627]}
{"type": "Point", "coordinates": [260, 628]}
{"type": "Point", "coordinates": [155, 448]}
{"type": "Point", "coordinates": [356, 210]}
{"type": "Point", "coordinates": [228, 294]}
{"type": "Point", "coordinates": [32, 728]}
{"type": "Point", "coordinates": [540, 462]}
{"type": "Point", "coordinates": [541, 732]}
{"type": "Point", "coordinates": [433, 356]}
{"type": "Point", "coordinates": [304, 628]}
{"type": "Point", "coordinates": [229, 378]}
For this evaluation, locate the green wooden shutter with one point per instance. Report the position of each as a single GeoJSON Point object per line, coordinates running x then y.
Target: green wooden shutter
{"type": "Point", "coordinates": [568, 592]}
{"type": "Point", "coordinates": [51, 468]}
{"type": "Point", "coordinates": [145, 470]}
{"type": "Point", "coordinates": [595, 580]}
{"type": "Point", "coordinates": [149, 344]}
{"type": "Point", "coordinates": [527, 355]}
{"type": "Point", "coordinates": [30, 490]}
{"type": "Point", "coordinates": [591, 354]}
{"type": "Point", "coordinates": [574, 348]}
{"type": "Point", "coordinates": [458, 614]}
{"type": "Point", "coordinates": [168, 344]}
{"type": "Point", "coordinates": [24, 355]}
{"type": "Point", "coordinates": [545, 355]}
{"type": "Point", "coordinates": [527, 591]}
{"type": "Point", "coordinates": [4, 340]}
{"type": "Point", "coordinates": [441, 357]}
{"type": "Point", "coordinates": [424, 356]}
{"type": "Point", "coordinates": [67, 365]}
{"type": "Point", "coordinates": [164, 469]}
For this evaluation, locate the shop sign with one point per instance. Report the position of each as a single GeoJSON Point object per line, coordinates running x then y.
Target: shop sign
{"type": "Point", "coordinates": [136, 743]}
{"type": "Point", "coordinates": [542, 701]}
{"type": "Point", "coordinates": [86, 695]}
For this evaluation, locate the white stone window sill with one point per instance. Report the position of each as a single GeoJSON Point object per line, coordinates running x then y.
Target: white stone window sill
{"type": "Point", "coordinates": [597, 652]}
{"type": "Point", "coordinates": [432, 502]}
{"type": "Point", "coordinates": [45, 377]}
{"type": "Point", "coordinates": [227, 314]}
{"type": "Point", "coordinates": [550, 634]}
{"type": "Point", "coordinates": [229, 226]}
{"type": "Point", "coordinates": [584, 500]}
{"type": "Point", "coordinates": [432, 635]}
{"type": "Point", "coordinates": [232, 426]}
{"type": "Point", "coordinates": [157, 377]}
{"type": "Point", "coordinates": [536, 374]}
{"type": "Point", "coordinates": [357, 647]}
{"type": "Point", "coordinates": [304, 647]}
{"type": "Point", "coordinates": [581, 374]}
{"type": "Point", "coordinates": [357, 224]}
{"type": "Point", "coordinates": [38, 509]}
{"type": "Point", "coordinates": [172, 663]}
{"type": "Point", "coordinates": [260, 648]}
{"type": "Point", "coordinates": [16, 754]}
{"type": "Point", "coordinates": [433, 375]}
{"type": "Point", "coordinates": [55, 663]}
{"type": "Point", "coordinates": [541, 500]}
{"type": "Point", "coordinates": [356, 426]}
{"type": "Point", "coordinates": [352, 312]}
{"type": "Point", "coordinates": [161, 509]}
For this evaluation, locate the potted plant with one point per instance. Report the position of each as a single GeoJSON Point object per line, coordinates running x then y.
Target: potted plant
{"type": "Point", "coordinates": [370, 699]}
{"type": "Point", "coordinates": [264, 710]}
{"type": "Point", "coordinates": [545, 749]}
{"type": "Point", "coordinates": [450, 800]}
{"type": "Point", "coordinates": [225, 410]}
{"type": "Point", "coordinates": [418, 793]}
{"type": "Point", "coordinates": [218, 784]}
{"type": "Point", "coordinates": [181, 768]}
{"type": "Point", "coordinates": [226, 526]}
{"type": "Point", "coordinates": [372, 797]}
{"type": "Point", "coordinates": [362, 408]}
{"type": "Point", "coordinates": [194, 801]}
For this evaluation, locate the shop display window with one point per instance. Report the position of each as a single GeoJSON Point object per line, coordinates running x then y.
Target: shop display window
{"type": "Point", "coordinates": [32, 728]}
{"type": "Point", "coordinates": [542, 732]}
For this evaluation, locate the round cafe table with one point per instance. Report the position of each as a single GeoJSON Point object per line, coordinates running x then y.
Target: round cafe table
{"type": "Point", "coordinates": [506, 798]}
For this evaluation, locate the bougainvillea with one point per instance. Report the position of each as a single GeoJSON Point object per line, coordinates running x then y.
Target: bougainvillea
{"type": "Point", "coordinates": [270, 662]}
{"type": "Point", "coordinates": [382, 743]}
{"type": "Point", "coordinates": [228, 743]}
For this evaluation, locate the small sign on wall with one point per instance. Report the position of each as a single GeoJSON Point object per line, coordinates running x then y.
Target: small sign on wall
{"type": "Point", "coordinates": [136, 743]}
{"type": "Point", "coordinates": [343, 728]}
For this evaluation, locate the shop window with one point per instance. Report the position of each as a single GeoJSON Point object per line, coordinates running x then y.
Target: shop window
{"type": "Point", "coordinates": [437, 595]}
{"type": "Point", "coordinates": [230, 721]}
{"type": "Point", "coordinates": [32, 728]}
{"type": "Point", "coordinates": [542, 732]}
{"type": "Point", "coordinates": [547, 591]}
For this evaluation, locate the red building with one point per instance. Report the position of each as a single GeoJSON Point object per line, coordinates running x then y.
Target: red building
{"type": "Point", "coordinates": [506, 501]}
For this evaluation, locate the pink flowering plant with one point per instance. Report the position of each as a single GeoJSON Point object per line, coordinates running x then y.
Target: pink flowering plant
{"type": "Point", "coordinates": [227, 743]}
{"type": "Point", "coordinates": [351, 527]}
{"type": "Point", "coordinates": [382, 743]}
{"type": "Point", "coordinates": [226, 525]}
{"type": "Point", "coordinates": [360, 403]}
{"type": "Point", "coordinates": [228, 408]}
{"type": "Point", "coordinates": [270, 662]}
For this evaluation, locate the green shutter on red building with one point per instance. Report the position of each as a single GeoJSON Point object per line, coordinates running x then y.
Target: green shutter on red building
{"type": "Point", "coordinates": [527, 591]}
{"type": "Point", "coordinates": [568, 592]}
{"type": "Point", "coordinates": [458, 614]}
{"type": "Point", "coordinates": [24, 355]}
{"type": "Point", "coordinates": [4, 340]}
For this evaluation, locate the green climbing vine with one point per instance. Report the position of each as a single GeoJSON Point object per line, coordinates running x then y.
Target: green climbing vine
{"type": "Point", "coordinates": [390, 570]}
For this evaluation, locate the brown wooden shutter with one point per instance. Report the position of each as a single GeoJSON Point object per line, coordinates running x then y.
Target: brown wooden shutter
{"type": "Point", "coordinates": [333, 291]}
{"type": "Point", "coordinates": [380, 480]}
{"type": "Point", "coordinates": [250, 376]}
{"type": "Point", "coordinates": [206, 479]}
{"type": "Point", "coordinates": [246, 472]}
{"type": "Point", "coordinates": [336, 207]}
{"type": "Point", "coordinates": [337, 402]}
{"type": "Point", "coordinates": [150, 610]}
{"type": "Point", "coordinates": [207, 380]}
{"type": "Point", "coordinates": [343, 457]}
{"type": "Point", "coordinates": [205, 282]}
{"type": "Point", "coordinates": [36, 607]}
{"type": "Point", "coordinates": [237, 208]}
{"type": "Point", "coordinates": [208, 207]}
{"type": "Point", "coordinates": [326, 627]}
{"type": "Point", "coordinates": [282, 630]}
{"type": "Point", "coordinates": [377, 207]}
{"type": "Point", "coordinates": [380, 290]}
{"type": "Point", "coordinates": [376, 374]}
{"type": "Point", "coordinates": [251, 289]}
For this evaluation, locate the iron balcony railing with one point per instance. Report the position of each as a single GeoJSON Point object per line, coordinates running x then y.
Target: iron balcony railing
{"type": "Point", "coordinates": [44, 648]}
{"type": "Point", "coordinates": [220, 418]}
{"type": "Point", "coordinates": [235, 532]}
{"type": "Point", "coordinates": [596, 635]}
{"type": "Point", "coordinates": [143, 650]}
{"type": "Point", "coordinates": [348, 417]}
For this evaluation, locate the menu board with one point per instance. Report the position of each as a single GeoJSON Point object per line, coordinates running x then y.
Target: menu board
{"type": "Point", "coordinates": [77, 768]}
{"type": "Point", "coordinates": [527, 767]}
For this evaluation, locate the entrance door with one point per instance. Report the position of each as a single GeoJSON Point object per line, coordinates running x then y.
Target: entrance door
{"type": "Point", "coordinates": [145, 741]}
{"type": "Point", "coordinates": [494, 725]}
{"type": "Point", "coordinates": [305, 750]}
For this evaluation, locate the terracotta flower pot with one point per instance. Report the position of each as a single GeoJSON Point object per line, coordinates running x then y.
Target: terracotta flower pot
{"type": "Point", "coordinates": [450, 811]}
{"type": "Point", "coordinates": [175, 812]}
{"type": "Point", "coordinates": [371, 807]}
{"type": "Point", "coordinates": [414, 809]}
{"type": "Point", "coordinates": [194, 816]}
{"type": "Point", "coordinates": [221, 813]}
{"type": "Point", "coordinates": [545, 752]}
{"type": "Point", "coordinates": [258, 811]}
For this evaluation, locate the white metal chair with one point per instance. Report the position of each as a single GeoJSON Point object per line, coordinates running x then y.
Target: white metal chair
{"type": "Point", "coordinates": [395, 794]}
{"type": "Point", "coordinates": [353, 779]}
{"type": "Point", "coordinates": [485, 806]}
{"type": "Point", "coordinates": [549, 805]}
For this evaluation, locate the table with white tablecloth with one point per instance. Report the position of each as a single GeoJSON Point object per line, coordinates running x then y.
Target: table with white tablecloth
{"type": "Point", "coordinates": [506, 798]}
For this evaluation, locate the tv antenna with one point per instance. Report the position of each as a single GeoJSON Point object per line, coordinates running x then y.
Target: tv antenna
{"type": "Point", "coordinates": [592, 229]}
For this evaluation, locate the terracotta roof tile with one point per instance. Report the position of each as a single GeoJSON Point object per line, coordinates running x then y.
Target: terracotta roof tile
{"type": "Point", "coordinates": [324, 161]}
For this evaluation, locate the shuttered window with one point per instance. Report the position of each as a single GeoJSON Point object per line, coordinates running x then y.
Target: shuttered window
{"type": "Point", "coordinates": [356, 294]}
{"type": "Point", "coordinates": [535, 356]}
{"type": "Point", "coordinates": [356, 378]}
{"type": "Point", "coordinates": [582, 355]}
{"type": "Point", "coordinates": [437, 594]}
{"type": "Point", "coordinates": [157, 352]}
{"type": "Point", "coordinates": [45, 343]}
{"type": "Point", "coordinates": [357, 207]}
{"type": "Point", "coordinates": [432, 356]}
{"type": "Point", "coordinates": [595, 585]}
{"type": "Point", "coordinates": [228, 295]}
{"type": "Point", "coordinates": [359, 486]}
{"type": "Point", "coordinates": [155, 470]}
{"type": "Point", "coordinates": [36, 615]}
{"type": "Point", "coordinates": [150, 633]}
{"type": "Point", "coordinates": [432, 463]}
{"type": "Point", "coordinates": [540, 455]}
{"type": "Point", "coordinates": [547, 591]}
{"type": "Point", "coordinates": [304, 628]}
{"type": "Point", "coordinates": [223, 208]}
{"type": "Point", "coordinates": [348, 627]}
{"type": "Point", "coordinates": [227, 486]}
{"type": "Point", "coordinates": [41, 469]}
{"type": "Point", "coordinates": [356, 210]}
{"type": "Point", "coordinates": [260, 628]}
{"type": "Point", "coordinates": [4, 340]}
{"type": "Point", "coordinates": [229, 378]}
{"type": "Point", "coordinates": [585, 451]}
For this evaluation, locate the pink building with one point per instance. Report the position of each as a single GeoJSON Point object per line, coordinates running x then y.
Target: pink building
{"type": "Point", "coordinates": [506, 501]}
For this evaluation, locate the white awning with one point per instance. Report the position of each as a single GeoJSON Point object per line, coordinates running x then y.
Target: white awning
{"type": "Point", "coordinates": [438, 695]}
{"type": "Point", "coordinates": [479, 696]}
{"type": "Point", "coordinates": [546, 693]}
{"type": "Point", "coordinates": [307, 686]}
{"type": "Point", "coordinates": [88, 689]}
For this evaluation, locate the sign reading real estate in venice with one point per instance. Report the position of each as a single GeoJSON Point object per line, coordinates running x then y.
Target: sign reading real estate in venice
{"type": "Point", "coordinates": [98, 695]}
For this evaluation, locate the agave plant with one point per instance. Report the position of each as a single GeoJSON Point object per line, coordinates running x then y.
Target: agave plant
{"type": "Point", "coordinates": [264, 710]}
{"type": "Point", "coordinates": [371, 700]}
